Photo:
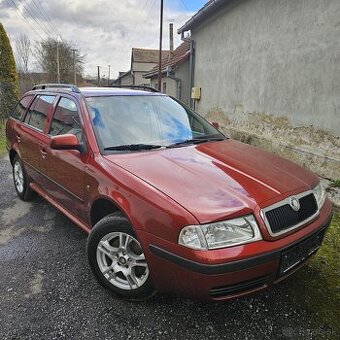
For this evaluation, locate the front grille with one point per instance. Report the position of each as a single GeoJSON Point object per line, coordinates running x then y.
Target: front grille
{"type": "Point", "coordinates": [283, 217]}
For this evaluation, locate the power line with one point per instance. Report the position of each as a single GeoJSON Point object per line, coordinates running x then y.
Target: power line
{"type": "Point", "coordinates": [10, 3]}
{"type": "Point", "coordinates": [31, 15]}
{"type": "Point", "coordinates": [184, 18]}
{"type": "Point", "coordinates": [186, 7]}
{"type": "Point", "coordinates": [47, 17]}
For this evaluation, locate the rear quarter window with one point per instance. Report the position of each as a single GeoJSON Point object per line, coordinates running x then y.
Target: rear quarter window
{"type": "Point", "coordinates": [38, 111]}
{"type": "Point", "coordinates": [21, 107]}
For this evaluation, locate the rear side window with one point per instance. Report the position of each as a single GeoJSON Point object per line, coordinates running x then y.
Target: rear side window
{"type": "Point", "coordinates": [38, 111]}
{"type": "Point", "coordinates": [66, 119]}
{"type": "Point", "coordinates": [21, 107]}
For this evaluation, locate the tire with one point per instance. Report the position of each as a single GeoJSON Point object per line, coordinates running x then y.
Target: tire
{"type": "Point", "coordinates": [117, 259]}
{"type": "Point", "coordinates": [21, 181]}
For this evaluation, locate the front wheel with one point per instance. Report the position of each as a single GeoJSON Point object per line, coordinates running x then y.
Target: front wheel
{"type": "Point", "coordinates": [117, 259]}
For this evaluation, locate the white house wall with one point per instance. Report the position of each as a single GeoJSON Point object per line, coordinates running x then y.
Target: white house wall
{"type": "Point", "coordinates": [269, 67]}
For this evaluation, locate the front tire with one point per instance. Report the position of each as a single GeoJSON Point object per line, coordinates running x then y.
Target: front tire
{"type": "Point", "coordinates": [21, 181]}
{"type": "Point", "coordinates": [117, 259]}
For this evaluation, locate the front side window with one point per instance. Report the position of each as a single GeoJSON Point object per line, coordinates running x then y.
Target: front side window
{"type": "Point", "coordinates": [145, 119]}
{"type": "Point", "coordinates": [21, 107]}
{"type": "Point", "coordinates": [66, 119]}
{"type": "Point", "coordinates": [38, 111]}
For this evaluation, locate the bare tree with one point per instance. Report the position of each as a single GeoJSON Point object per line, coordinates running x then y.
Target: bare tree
{"type": "Point", "coordinates": [46, 56]}
{"type": "Point", "coordinates": [23, 48]}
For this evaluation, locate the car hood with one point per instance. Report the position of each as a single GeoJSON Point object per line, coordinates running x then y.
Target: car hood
{"type": "Point", "coordinates": [217, 179]}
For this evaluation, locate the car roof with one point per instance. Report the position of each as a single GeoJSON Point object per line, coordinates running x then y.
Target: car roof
{"type": "Point", "coordinates": [115, 91]}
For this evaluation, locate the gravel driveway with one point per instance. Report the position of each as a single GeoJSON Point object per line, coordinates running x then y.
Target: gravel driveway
{"type": "Point", "coordinates": [47, 291]}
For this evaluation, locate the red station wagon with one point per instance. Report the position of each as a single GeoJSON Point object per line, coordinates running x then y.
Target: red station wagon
{"type": "Point", "coordinates": [169, 202]}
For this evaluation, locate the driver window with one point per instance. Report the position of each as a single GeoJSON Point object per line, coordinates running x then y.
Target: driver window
{"type": "Point", "coordinates": [66, 119]}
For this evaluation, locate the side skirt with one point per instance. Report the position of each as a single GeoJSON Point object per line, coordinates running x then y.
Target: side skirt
{"type": "Point", "coordinates": [65, 212]}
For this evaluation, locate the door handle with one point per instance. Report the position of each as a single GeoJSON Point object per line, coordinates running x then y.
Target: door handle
{"type": "Point", "coordinates": [18, 138]}
{"type": "Point", "coordinates": [43, 152]}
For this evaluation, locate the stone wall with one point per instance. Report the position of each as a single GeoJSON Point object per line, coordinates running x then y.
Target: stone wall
{"type": "Point", "coordinates": [316, 149]}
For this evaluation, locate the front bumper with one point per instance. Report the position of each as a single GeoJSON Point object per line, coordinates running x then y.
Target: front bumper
{"type": "Point", "coordinates": [211, 278]}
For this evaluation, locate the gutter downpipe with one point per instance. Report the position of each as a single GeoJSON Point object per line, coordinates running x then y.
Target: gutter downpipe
{"type": "Point", "coordinates": [209, 8]}
{"type": "Point", "coordinates": [191, 66]}
{"type": "Point", "coordinates": [178, 86]}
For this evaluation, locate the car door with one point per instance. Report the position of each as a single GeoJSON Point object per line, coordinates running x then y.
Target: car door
{"type": "Point", "coordinates": [64, 169]}
{"type": "Point", "coordinates": [15, 120]}
{"type": "Point", "coordinates": [31, 135]}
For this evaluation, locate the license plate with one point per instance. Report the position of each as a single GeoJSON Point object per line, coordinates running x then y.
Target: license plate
{"type": "Point", "coordinates": [297, 254]}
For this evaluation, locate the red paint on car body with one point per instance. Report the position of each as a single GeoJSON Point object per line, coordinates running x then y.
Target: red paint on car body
{"type": "Point", "coordinates": [161, 191]}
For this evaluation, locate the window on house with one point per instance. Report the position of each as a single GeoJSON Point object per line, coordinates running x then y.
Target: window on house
{"type": "Point", "coordinates": [164, 87]}
{"type": "Point", "coordinates": [38, 111]}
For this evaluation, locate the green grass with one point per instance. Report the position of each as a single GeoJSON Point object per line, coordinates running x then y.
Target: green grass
{"type": "Point", "coordinates": [317, 286]}
{"type": "Point", "coordinates": [2, 138]}
{"type": "Point", "coordinates": [336, 183]}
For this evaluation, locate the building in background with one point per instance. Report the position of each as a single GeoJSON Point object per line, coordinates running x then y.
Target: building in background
{"type": "Point", "coordinates": [142, 61]}
{"type": "Point", "coordinates": [269, 73]}
{"type": "Point", "coordinates": [175, 73]}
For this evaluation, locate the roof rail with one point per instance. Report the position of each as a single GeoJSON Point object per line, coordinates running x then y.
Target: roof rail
{"type": "Point", "coordinates": [70, 87]}
{"type": "Point", "coordinates": [137, 87]}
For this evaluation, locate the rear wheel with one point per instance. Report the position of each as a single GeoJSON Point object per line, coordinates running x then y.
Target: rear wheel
{"type": "Point", "coordinates": [21, 181]}
{"type": "Point", "coordinates": [117, 259]}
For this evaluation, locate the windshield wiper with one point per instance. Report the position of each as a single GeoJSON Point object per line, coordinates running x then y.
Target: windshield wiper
{"type": "Point", "coordinates": [133, 147]}
{"type": "Point", "coordinates": [195, 141]}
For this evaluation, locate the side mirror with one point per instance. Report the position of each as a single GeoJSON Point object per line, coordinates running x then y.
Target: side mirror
{"type": "Point", "coordinates": [215, 125]}
{"type": "Point", "coordinates": [65, 142]}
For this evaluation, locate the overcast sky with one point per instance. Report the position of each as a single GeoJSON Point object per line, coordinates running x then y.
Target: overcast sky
{"type": "Point", "coordinates": [103, 30]}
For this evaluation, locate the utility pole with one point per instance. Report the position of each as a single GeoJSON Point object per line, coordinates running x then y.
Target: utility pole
{"type": "Point", "coordinates": [160, 48]}
{"type": "Point", "coordinates": [74, 66]}
{"type": "Point", "coordinates": [108, 77]}
{"type": "Point", "coordinates": [98, 75]}
{"type": "Point", "coordinates": [58, 64]}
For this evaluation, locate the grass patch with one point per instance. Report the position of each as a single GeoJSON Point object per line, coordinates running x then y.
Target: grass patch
{"type": "Point", "coordinates": [2, 138]}
{"type": "Point", "coordinates": [317, 286]}
{"type": "Point", "coordinates": [336, 183]}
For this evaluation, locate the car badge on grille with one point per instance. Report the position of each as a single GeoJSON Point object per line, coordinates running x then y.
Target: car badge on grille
{"type": "Point", "coordinates": [294, 203]}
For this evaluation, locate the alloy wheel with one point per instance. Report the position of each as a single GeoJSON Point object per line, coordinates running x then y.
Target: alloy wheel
{"type": "Point", "coordinates": [18, 177]}
{"type": "Point", "coordinates": [121, 260]}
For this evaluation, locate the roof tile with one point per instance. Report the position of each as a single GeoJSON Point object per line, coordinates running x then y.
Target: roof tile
{"type": "Point", "coordinates": [143, 55]}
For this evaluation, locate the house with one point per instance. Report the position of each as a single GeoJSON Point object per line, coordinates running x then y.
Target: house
{"type": "Point", "coordinates": [142, 61]}
{"type": "Point", "coordinates": [175, 73]}
{"type": "Point", "coordinates": [269, 73]}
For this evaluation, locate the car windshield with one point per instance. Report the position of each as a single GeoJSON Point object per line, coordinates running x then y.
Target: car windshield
{"type": "Point", "coordinates": [146, 122]}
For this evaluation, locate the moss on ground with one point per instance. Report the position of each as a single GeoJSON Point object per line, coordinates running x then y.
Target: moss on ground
{"type": "Point", "coordinates": [317, 286]}
{"type": "Point", "coordinates": [2, 138]}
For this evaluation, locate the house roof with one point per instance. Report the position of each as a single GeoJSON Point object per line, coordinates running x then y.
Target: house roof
{"type": "Point", "coordinates": [143, 55]}
{"type": "Point", "coordinates": [122, 75]}
{"type": "Point", "coordinates": [210, 8]}
{"type": "Point", "coordinates": [179, 55]}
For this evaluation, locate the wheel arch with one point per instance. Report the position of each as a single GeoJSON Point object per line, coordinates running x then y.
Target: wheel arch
{"type": "Point", "coordinates": [102, 207]}
{"type": "Point", "coordinates": [12, 154]}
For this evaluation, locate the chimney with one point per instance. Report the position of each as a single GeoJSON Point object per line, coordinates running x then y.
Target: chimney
{"type": "Point", "coordinates": [171, 38]}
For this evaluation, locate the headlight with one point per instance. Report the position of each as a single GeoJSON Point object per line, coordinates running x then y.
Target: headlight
{"type": "Point", "coordinates": [320, 195]}
{"type": "Point", "coordinates": [220, 234]}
